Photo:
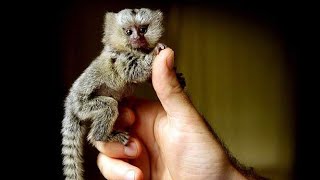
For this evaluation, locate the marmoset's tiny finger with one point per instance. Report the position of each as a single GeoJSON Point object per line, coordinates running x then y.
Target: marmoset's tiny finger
{"type": "Point", "coordinates": [112, 168]}
{"type": "Point", "coordinates": [117, 150]}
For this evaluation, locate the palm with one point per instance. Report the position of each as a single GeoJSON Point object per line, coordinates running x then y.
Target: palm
{"type": "Point", "coordinates": [159, 160]}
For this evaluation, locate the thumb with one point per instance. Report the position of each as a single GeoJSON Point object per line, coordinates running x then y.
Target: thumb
{"type": "Point", "coordinates": [172, 97]}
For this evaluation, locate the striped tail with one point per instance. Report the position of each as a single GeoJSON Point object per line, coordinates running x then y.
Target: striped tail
{"type": "Point", "coordinates": [72, 148]}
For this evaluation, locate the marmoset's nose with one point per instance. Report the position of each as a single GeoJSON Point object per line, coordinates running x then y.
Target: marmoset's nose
{"type": "Point", "coordinates": [135, 35]}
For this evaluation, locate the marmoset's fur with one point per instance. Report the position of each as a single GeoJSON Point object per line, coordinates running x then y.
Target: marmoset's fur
{"type": "Point", "coordinates": [131, 42]}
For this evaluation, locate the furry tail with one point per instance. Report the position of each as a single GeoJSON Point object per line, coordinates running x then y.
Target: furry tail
{"type": "Point", "coordinates": [72, 148]}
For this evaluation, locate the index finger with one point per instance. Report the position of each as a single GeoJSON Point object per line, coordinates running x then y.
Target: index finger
{"type": "Point", "coordinates": [146, 114]}
{"type": "Point", "coordinates": [126, 118]}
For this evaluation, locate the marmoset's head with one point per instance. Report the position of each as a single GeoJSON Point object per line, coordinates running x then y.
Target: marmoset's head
{"type": "Point", "coordinates": [133, 28]}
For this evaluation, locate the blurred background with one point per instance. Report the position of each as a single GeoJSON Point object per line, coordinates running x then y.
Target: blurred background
{"type": "Point", "coordinates": [240, 61]}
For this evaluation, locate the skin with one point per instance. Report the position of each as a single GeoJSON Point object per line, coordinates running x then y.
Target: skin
{"type": "Point", "coordinates": [170, 139]}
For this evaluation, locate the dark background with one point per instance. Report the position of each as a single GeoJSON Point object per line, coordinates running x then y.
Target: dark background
{"type": "Point", "coordinates": [36, 87]}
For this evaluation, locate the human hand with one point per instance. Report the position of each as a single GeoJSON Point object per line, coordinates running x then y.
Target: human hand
{"type": "Point", "coordinates": [170, 139]}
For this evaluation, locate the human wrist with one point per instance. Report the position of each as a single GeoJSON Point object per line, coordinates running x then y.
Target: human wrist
{"type": "Point", "coordinates": [233, 168]}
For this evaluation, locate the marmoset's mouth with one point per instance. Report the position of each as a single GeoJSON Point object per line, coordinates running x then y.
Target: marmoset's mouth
{"type": "Point", "coordinates": [139, 43]}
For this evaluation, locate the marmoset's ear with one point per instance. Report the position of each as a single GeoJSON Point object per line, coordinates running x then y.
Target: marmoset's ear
{"type": "Point", "coordinates": [109, 21]}
{"type": "Point", "coordinates": [159, 14]}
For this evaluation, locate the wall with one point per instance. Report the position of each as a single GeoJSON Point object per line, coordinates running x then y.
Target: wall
{"type": "Point", "coordinates": [237, 76]}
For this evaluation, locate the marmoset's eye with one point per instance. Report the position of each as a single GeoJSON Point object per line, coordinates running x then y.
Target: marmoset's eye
{"type": "Point", "coordinates": [143, 29]}
{"type": "Point", "coordinates": [128, 32]}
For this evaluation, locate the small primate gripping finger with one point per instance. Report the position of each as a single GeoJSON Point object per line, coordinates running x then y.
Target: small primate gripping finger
{"type": "Point", "coordinates": [92, 103]}
{"type": "Point", "coordinates": [159, 47]}
{"type": "Point", "coordinates": [117, 150]}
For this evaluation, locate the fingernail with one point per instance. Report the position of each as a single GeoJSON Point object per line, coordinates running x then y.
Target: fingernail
{"type": "Point", "coordinates": [130, 175]}
{"type": "Point", "coordinates": [131, 149]}
{"type": "Point", "coordinates": [170, 61]}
